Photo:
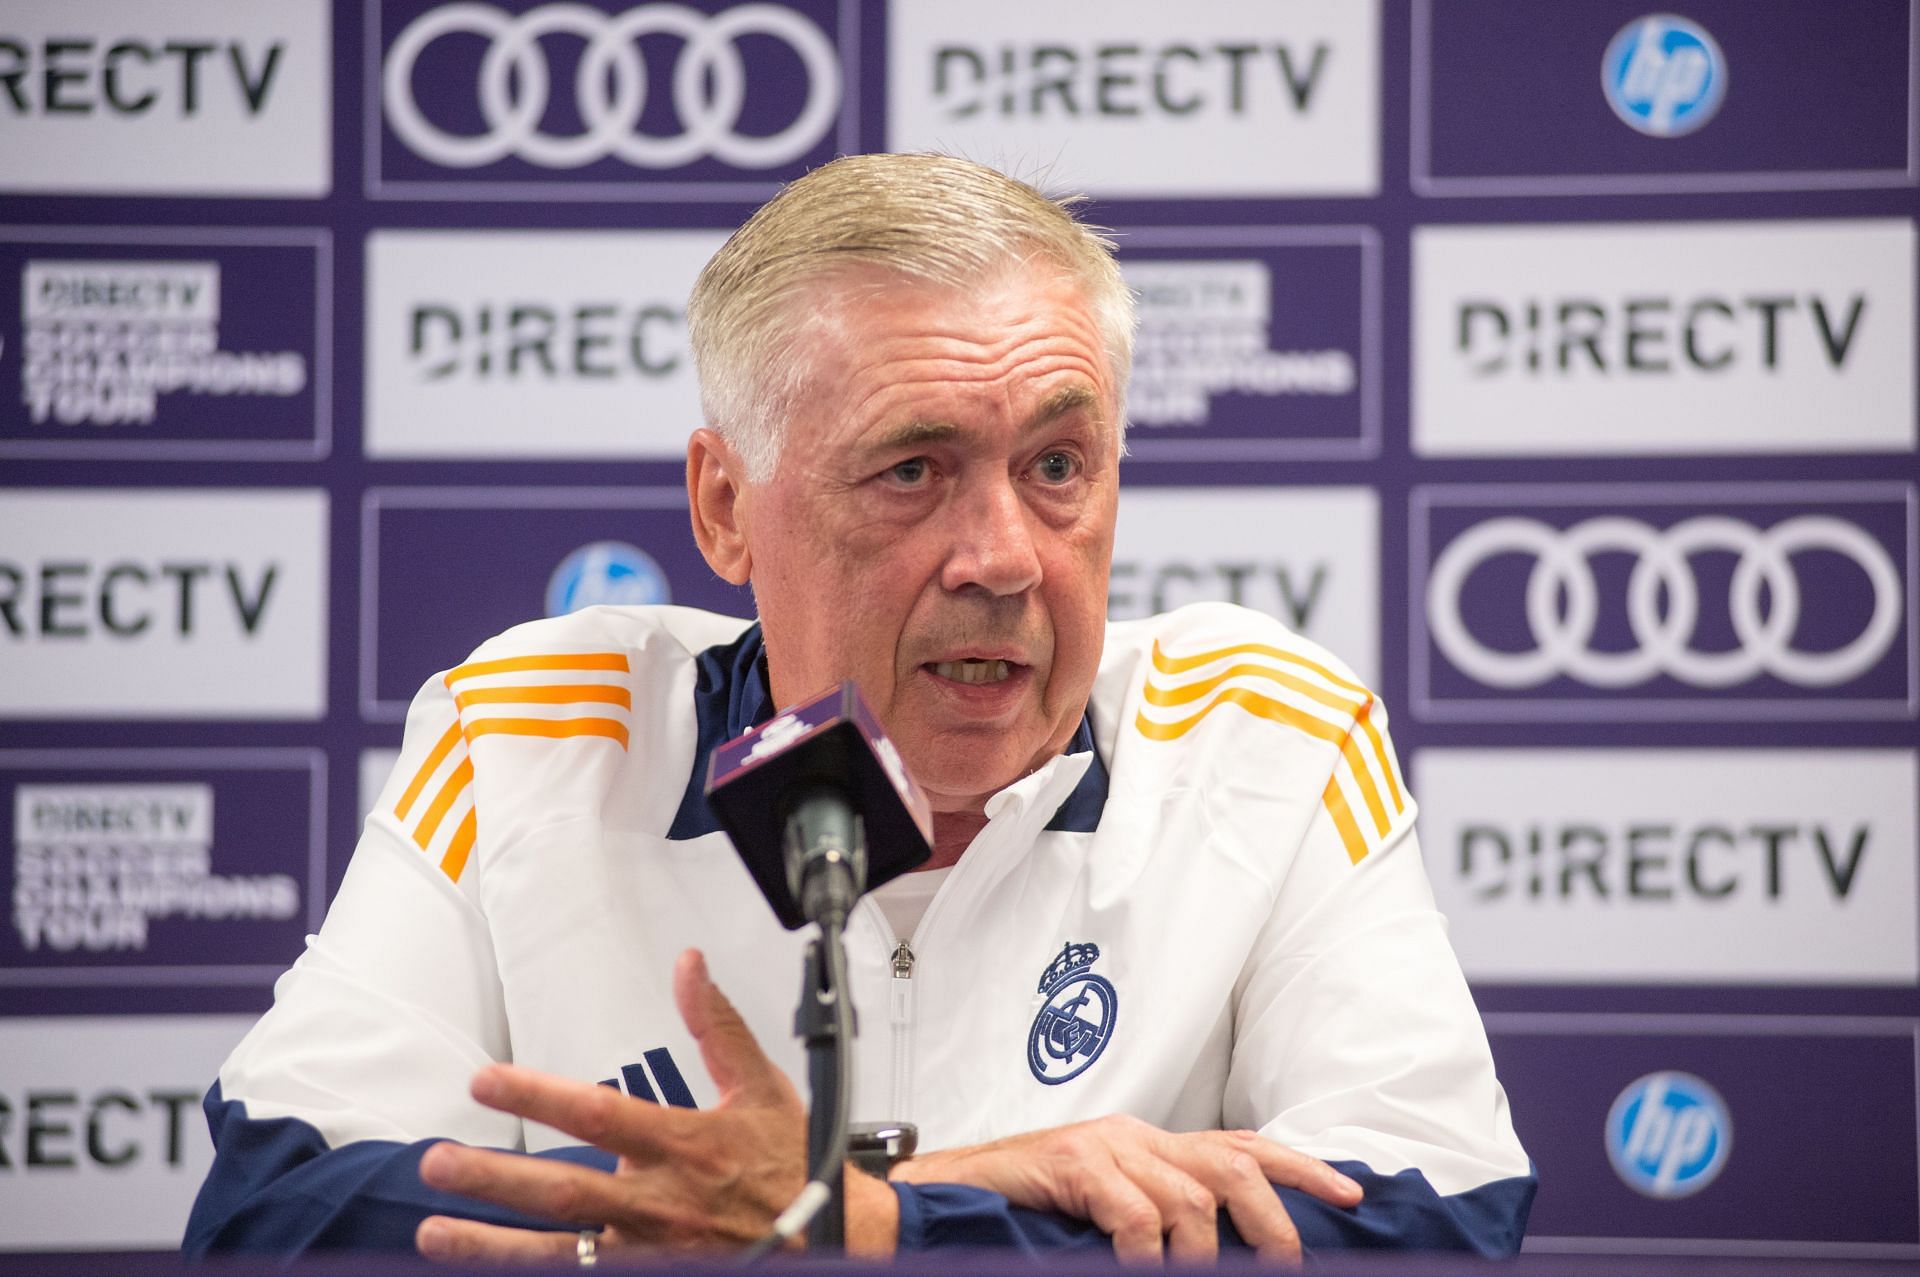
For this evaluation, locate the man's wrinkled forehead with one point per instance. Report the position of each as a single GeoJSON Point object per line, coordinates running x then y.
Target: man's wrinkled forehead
{"type": "Point", "coordinates": [926, 431]}
{"type": "Point", "coordinates": [819, 316]}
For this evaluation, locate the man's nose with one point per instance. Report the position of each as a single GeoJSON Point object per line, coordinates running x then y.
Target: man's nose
{"type": "Point", "coordinates": [993, 542]}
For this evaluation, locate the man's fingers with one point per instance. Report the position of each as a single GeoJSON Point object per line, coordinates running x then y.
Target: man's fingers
{"type": "Point", "coordinates": [1188, 1210]}
{"type": "Point", "coordinates": [464, 1241]}
{"type": "Point", "coordinates": [1241, 1168]}
{"type": "Point", "coordinates": [598, 1115]}
{"type": "Point", "coordinates": [692, 992]}
{"type": "Point", "coordinates": [1119, 1208]}
{"type": "Point", "coordinates": [1258, 1214]}
{"type": "Point", "coordinates": [557, 1190]}
{"type": "Point", "coordinates": [732, 1054]}
{"type": "Point", "coordinates": [1282, 1165]}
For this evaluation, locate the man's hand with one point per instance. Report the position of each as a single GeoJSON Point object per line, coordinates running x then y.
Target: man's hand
{"type": "Point", "coordinates": [1141, 1184]}
{"type": "Point", "coordinates": [708, 1179]}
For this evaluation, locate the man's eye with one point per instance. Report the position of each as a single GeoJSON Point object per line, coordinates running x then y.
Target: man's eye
{"type": "Point", "coordinates": [1056, 467]}
{"type": "Point", "coordinates": [911, 472]}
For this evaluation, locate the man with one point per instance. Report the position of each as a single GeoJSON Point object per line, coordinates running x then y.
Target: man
{"type": "Point", "coordinates": [1175, 896]}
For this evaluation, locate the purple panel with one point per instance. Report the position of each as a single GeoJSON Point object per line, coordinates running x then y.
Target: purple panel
{"type": "Point", "coordinates": [628, 100]}
{"type": "Point", "coordinates": [1299, 383]}
{"type": "Point", "coordinates": [1823, 1142]}
{"type": "Point", "coordinates": [1814, 87]}
{"type": "Point", "coordinates": [184, 867]}
{"type": "Point", "coordinates": [449, 576]}
{"type": "Point", "coordinates": [1846, 562]}
{"type": "Point", "coordinates": [134, 344]}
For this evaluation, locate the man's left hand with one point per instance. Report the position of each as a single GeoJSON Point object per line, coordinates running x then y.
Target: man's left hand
{"type": "Point", "coordinates": [709, 1179]}
{"type": "Point", "coordinates": [1156, 1193]}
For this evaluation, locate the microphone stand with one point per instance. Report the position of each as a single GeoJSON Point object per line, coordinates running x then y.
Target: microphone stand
{"type": "Point", "coordinates": [824, 1020]}
{"type": "Point", "coordinates": [826, 853]}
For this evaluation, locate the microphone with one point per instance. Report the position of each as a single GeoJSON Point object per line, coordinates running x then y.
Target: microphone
{"type": "Point", "coordinates": [820, 806]}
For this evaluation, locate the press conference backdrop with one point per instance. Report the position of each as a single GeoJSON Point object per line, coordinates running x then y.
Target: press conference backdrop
{"type": "Point", "coordinates": [1554, 362]}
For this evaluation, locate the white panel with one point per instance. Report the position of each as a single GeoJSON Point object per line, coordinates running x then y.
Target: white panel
{"type": "Point", "coordinates": [1310, 556]}
{"type": "Point", "coordinates": [1664, 338]}
{"type": "Point", "coordinates": [532, 344]}
{"type": "Point", "coordinates": [163, 603]}
{"type": "Point", "coordinates": [105, 1141]}
{"type": "Point", "coordinates": [1138, 98]}
{"type": "Point", "coordinates": [1733, 866]}
{"type": "Point", "coordinates": [193, 97]}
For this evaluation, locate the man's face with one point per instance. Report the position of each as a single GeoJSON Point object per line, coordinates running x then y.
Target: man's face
{"type": "Point", "coordinates": [940, 525]}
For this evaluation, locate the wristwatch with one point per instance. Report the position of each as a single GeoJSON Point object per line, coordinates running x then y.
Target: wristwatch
{"type": "Point", "coordinates": [876, 1147]}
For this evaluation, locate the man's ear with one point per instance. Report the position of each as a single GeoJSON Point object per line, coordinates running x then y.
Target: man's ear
{"type": "Point", "coordinates": [716, 501]}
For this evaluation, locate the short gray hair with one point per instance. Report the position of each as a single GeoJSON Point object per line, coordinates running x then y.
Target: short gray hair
{"type": "Point", "coordinates": [926, 218]}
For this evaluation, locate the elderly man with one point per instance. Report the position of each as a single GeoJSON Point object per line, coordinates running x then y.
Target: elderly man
{"type": "Point", "coordinates": [1186, 840]}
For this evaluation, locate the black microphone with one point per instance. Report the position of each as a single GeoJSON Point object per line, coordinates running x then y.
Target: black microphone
{"type": "Point", "coordinates": [820, 806]}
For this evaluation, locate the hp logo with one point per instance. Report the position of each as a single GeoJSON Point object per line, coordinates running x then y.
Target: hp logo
{"type": "Point", "coordinates": [1668, 1135]}
{"type": "Point", "coordinates": [1664, 75]}
{"type": "Point", "coordinates": [606, 572]}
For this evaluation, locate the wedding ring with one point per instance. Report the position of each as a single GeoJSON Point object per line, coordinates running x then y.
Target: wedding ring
{"type": "Point", "coordinates": [586, 1248]}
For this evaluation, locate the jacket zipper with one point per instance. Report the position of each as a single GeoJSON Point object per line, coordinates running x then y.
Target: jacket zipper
{"type": "Point", "coordinates": [901, 1002]}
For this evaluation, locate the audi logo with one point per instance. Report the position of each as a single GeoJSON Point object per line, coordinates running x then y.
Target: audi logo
{"type": "Point", "coordinates": [1562, 568]}
{"type": "Point", "coordinates": [610, 86]}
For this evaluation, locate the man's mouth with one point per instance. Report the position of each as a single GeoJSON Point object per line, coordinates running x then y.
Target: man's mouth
{"type": "Point", "coordinates": [973, 671]}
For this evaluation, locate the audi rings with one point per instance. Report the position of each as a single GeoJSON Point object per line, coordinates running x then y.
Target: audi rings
{"type": "Point", "coordinates": [1562, 572]}
{"type": "Point", "coordinates": [610, 86]}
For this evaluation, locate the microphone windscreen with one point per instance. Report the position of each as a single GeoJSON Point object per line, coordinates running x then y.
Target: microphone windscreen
{"type": "Point", "coordinates": [832, 740]}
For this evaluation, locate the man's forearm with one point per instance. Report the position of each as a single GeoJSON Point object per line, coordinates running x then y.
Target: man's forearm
{"type": "Point", "coordinates": [277, 1187]}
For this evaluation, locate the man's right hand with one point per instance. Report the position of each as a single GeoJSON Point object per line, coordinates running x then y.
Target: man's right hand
{"type": "Point", "coordinates": [1155, 1192]}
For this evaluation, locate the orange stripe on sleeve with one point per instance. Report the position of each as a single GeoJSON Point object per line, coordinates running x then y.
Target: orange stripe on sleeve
{"type": "Point", "coordinates": [1369, 792]}
{"type": "Point", "coordinates": [522, 664]}
{"type": "Point", "coordinates": [551, 694]}
{"type": "Point", "coordinates": [461, 777]}
{"type": "Point", "coordinates": [1363, 713]}
{"type": "Point", "coordinates": [455, 861]}
{"type": "Point", "coordinates": [1254, 703]}
{"type": "Point", "coordinates": [1385, 755]}
{"type": "Point", "coordinates": [1342, 814]}
{"type": "Point", "coordinates": [1280, 712]}
{"type": "Point", "coordinates": [441, 749]}
{"type": "Point", "coordinates": [1181, 664]}
{"type": "Point", "coordinates": [551, 728]}
{"type": "Point", "coordinates": [1184, 693]}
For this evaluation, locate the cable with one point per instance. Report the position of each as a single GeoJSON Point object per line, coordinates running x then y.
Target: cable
{"type": "Point", "coordinates": [792, 1221]}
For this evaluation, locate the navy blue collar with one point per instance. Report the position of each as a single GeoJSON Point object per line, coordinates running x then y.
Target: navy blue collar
{"type": "Point", "coordinates": [731, 694]}
{"type": "Point", "coordinates": [1080, 814]}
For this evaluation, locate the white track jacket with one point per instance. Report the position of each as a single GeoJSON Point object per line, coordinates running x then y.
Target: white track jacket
{"type": "Point", "coordinates": [1210, 912]}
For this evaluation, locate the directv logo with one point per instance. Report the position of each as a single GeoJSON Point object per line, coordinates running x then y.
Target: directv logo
{"type": "Point", "coordinates": [1664, 75]}
{"type": "Point", "coordinates": [1668, 1135]}
{"type": "Point", "coordinates": [606, 572]}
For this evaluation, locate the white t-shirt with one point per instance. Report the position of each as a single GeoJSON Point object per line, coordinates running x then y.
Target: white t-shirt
{"type": "Point", "coordinates": [904, 901]}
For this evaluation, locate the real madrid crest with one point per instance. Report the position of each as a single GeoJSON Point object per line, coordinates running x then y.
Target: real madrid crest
{"type": "Point", "coordinates": [1076, 1021]}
